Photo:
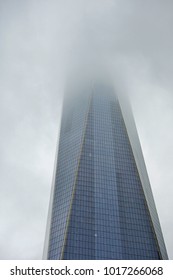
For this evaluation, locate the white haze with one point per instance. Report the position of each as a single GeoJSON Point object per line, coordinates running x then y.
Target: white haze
{"type": "Point", "coordinates": [41, 41]}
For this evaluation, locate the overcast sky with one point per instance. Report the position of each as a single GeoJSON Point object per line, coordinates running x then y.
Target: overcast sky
{"type": "Point", "coordinates": [39, 41]}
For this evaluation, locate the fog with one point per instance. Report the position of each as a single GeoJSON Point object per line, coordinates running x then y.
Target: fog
{"type": "Point", "coordinates": [41, 44]}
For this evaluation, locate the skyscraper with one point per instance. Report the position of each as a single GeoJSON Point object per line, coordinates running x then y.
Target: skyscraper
{"type": "Point", "coordinates": [101, 205]}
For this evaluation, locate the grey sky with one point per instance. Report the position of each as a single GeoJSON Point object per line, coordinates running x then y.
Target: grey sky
{"type": "Point", "coordinates": [39, 41]}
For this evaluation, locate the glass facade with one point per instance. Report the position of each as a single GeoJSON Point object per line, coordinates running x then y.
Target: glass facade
{"type": "Point", "coordinates": [99, 208]}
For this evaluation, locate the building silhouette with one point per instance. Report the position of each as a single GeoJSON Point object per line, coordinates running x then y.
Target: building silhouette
{"type": "Point", "coordinates": [101, 204]}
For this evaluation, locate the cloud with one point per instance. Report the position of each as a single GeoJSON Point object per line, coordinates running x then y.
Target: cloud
{"type": "Point", "coordinates": [40, 41]}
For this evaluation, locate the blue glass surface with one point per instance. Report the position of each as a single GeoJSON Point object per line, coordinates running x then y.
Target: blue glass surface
{"type": "Point", "coordinates": [99, 208]}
